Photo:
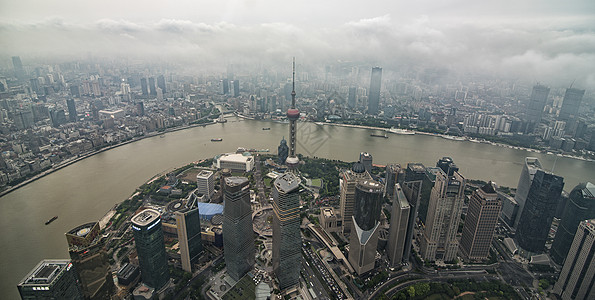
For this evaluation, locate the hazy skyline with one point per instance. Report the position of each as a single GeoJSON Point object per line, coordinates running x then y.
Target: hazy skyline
{"type": "Point", "coordinates": [547, 41]}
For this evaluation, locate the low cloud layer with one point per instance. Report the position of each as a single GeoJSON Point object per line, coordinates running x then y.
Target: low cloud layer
{"type": "Point", "coordinates": [556, 51]}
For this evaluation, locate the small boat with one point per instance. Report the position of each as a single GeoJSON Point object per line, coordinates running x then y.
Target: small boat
{"type": "Point", "coordinates": [266, 128]}
{"type": "Point", "coordinates": [216, 140]}
{"type": "Point", "coordinates": [162, 136]}
{"type": "Point", "coordinates": [51, 220]}
{"type": "Point", "coordinates": [379, 135]}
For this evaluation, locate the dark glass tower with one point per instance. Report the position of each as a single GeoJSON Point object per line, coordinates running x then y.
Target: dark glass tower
{"type": "Point", "coordinates": [287, 240]}
{"type": "Point", "coordinates": [537, 103]}
{"type": "Point", "coordinates": [580, 207]}
{"type": "Point", "coordinates": [161, 83]}
{"type": "Point", "coordinates": [282, 151]}
{"type": "Point", "coordinates": [374, 93]}
{"type": "Point", "coordinates": [571, 103]}
{"type": "Point", "coordinates": [365, 225]}
{"type": "Point", "coordinates": [86, 249]}
{"type": "Point", "coordinates": [531, 166]}
{"type": "Point", "coordinates": [351, 96]}
{"type": "Point", "coordinates": [238, 235]}
{"type": "Point", "coordinates": [150, 247]}
{"type": "Point", "coordinates": [537, 216]}
{"type": "Point", "coordinates": [71, 110]}
{"type": "Point", "coordinates": [189, 236]}
{"type": "Point", "coordinates": [51, 279]}
{"type": "Point", "coordinates": [144, 87]}
{"type": "Point", "coordinates": [152, 89]}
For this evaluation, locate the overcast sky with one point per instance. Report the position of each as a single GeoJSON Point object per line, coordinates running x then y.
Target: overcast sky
{"type": "Point", "coordinates": [547, 41]}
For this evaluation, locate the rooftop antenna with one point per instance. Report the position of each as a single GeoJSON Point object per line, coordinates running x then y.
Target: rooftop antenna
{"type": "Point", "coordinates": [293, 84]}
{"type": "Point", "coordinates": [572, 83]}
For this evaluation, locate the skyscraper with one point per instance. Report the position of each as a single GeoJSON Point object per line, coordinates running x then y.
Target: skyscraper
{"type": "Point", "coordinates": [238, 235]}
{"type": "Point", "coordinates": [480, 222]}
{"type": "Point", "coordinates": [366, 159]}
{"type": "Point", "coordinates": [51, 279]}
{"type": "Point", "coordinates": [86, 249]}
{"type": "Point", "coordinates": [282, 151]}
{"type": "Point", "coordinates": [374, 93]}
{"type": "Point", "coordinates": [398, 227]}
{"type": "Point", "coordinates": [571, 103]}
{"type": "Point", "coordinates": [293, 114]}
{"type": "Point", "coordinates": [536, 103]}
{"type": "Point", "coordinates": [536, 218]}
{"type": "Point", "coordinates": [224, 86]}
{"type": "Point", "coordinates": [19, 71]}
{"type": "Point", "coordinates": [189, 236]}
{"type": "Point", "coordinates": [531, 166]}
{"type": "Point", "coordinates": [392, 171]}
{"type": "Point", "coordinates": [287, 240]}
{"type": "Point", "coordinates": [161, 83]}
{"type": "Point", "coordinates": [150, 247]}
{"type": "Point", "coordinates": [444, 210]}
{"type": "Point", "coordinates": [205, 181]}
{"type": "Point", "coordinates": [365, 225]}
{"type": "Point", "coordinates": [351, 97]}
{"type": "Point", "coordinates": [577, 278]}
{"type": "Point", "coordinates": [144, 87]}
{"type": "Point", "coordinates": [347, 181]}
{"type": "Point", "coordinates": [71, 110]}
{"type": "Point", "coordinates": [152, 90]}
{"type": "Point", "coordinates": [236, 88]}
{"type": "Point", "coordinates": [580, 206]}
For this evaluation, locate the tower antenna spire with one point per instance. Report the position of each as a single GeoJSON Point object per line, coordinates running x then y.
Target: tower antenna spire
{"type": "Point", "coordinates": [293, 84]}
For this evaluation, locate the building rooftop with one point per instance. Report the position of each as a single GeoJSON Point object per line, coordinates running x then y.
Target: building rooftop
{"type": "Point", "coordinates": [287, 182]}
{"type": "Point", "coordinates": [45, 272]}
{"type": "Point", "coordinates": [205, 173]}
{"type": "Point", "coordinates": [401, 197]}
{"type": "Point", "coordinates": [235, 180]}
{"type": "Point", "coordinates": [145, 217]}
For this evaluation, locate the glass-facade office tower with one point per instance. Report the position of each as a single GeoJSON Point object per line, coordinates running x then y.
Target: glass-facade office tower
{"type": "Point", "coordinates": [238, 235]}
{"type": "Point", "coordinates": [536, 103]}
{"type": "Point", "coordinates": [287, 240]}
{"type": "Point", "coordinates": [366, 159]}
{"type": "Point", "coordinates": [365, 225]}
{"type": "Point", "coordinates": [571, 103]}
{"type": "Point", "coordinates": [480, 222]}
{"type": "Point", "coordinates": [580, 206]}
{"type": "Point", "coordinates": [398, 228]}
{"type": "Point", "coordinates": [347, 181]}
{"type": "Point", "coordinates": [351, 96]}
{"type": "Point", "coordinates": [152, 89]}
{"type": "Point", "coordinates": [577, 279]}
{"type": "Point", "coordinates": [150, 247]}
{"type": "Point", "coordinates": [144, 87]}
{"type": "Point", "coordinates": [374, 93]}
{"type": "Point", "coordinates": [51, 279]}
{"type": "Point", "coordinates": [161, 83]}
{"type": "Point", "coordinates": [444, 210]}
{"type": "Point", "coordinates": [282, 152]}
{"type": "Point", "coordinates": [71, 110]}
{"type": "Point", "coordinates": [539, 211]}
{"type": "Point", "coordinates": [392, 171]}
{"type": "Point", "coordinates": [189, 236]}
{"type": "Point", "coordinates": [86, 249]}
{"type": "Point", "coordinates": [531, 166]}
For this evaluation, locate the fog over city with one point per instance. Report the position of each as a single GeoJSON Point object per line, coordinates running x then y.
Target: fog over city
{"type": "Point", "coordinates": [546, 41]}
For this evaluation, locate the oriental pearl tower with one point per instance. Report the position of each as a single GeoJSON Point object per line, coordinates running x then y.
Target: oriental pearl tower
{"type": "Point", "coordinates": [293, 114]}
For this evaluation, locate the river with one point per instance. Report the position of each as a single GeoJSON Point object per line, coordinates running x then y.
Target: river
{"type": "Point", "coordinates": [85, 191]}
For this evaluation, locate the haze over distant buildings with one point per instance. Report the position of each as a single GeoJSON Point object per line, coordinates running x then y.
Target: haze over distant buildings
{"type": "Point", "coordinates": [547, 41]}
